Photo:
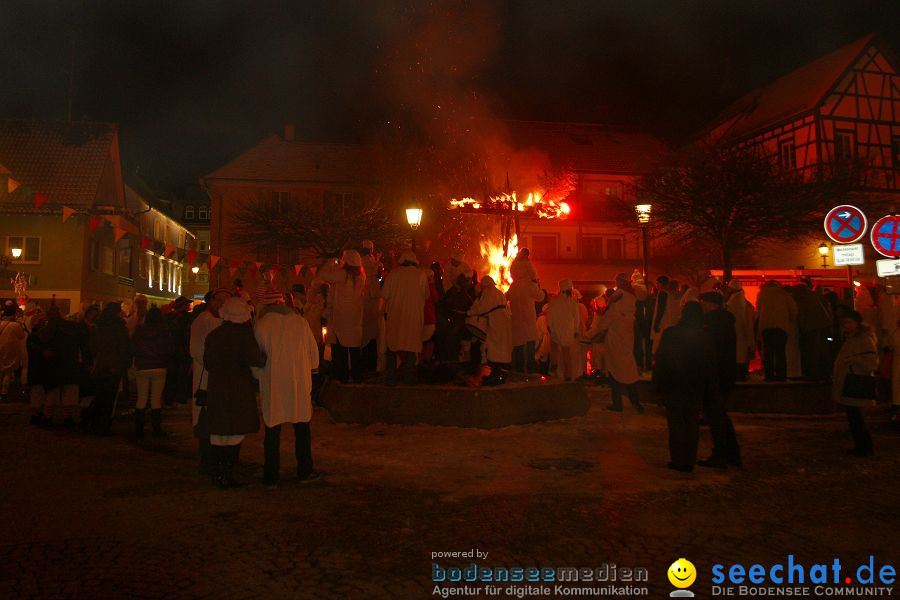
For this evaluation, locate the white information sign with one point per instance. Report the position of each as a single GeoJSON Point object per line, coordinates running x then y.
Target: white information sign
{"type": "Point", "coordinates": [888, 267]}
{"type": "Point", "coordinates": [848, 255]}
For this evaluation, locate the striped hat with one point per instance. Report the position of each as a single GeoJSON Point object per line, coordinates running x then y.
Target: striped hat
{"type": "Point", "coordinates": [272, 297]}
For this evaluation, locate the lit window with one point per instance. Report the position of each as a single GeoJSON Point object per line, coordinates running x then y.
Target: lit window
{"type": "Point", "coordinates": [30, 246]}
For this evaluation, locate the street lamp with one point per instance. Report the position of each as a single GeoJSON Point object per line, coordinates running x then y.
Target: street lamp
{"type": "Point", "coordinates": [643, 217]}
{"type": "Point", "coordinates": [823, 252]}
{"type": "Point", "coordinates": [414, 218]}
{"type": "Point", "coordinates": [16, 253]}
{"type": "Point", "coordinates": [195, 269]}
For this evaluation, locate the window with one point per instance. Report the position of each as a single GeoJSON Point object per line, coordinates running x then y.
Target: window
{"type": "Point", "coordinates": [614, 248]}
{"type": "Point", "coordinates": [347, 203]}
{"type": "Point", "coordinates": [123, 259]}
{"type": "Point", "coordinates": [189, 212]}
{"type": "Point", "coordinates": [203, 212]}
{"type": "Point", "coordinates": [601, 248]}
{"type": "Point", "coordinates": [895, 147]}
{"type": "Point", "coordinates": [107, 260]}
{"type": "Point", "coordinates": [202, 246]}
{"type": "Point", "coordinates": [843, 145]}
{"type": "Point", "coordinates": [31, 248]}
{"type": "Point", "coordinates": [592, 248]}
{"type": "Point", "coordinates": [787, 155]}
{"type": "Point", "coordinates": [544, 247]}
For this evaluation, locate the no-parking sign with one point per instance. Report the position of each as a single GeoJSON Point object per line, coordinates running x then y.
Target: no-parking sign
{"type": "Point", "coordinates": [845, 224]}
{"type": "Point", "coordinates": [886, 236]}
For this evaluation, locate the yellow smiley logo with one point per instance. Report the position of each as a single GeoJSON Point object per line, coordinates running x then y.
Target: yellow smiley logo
{"type": "Point", "coordinates": [682, 573]}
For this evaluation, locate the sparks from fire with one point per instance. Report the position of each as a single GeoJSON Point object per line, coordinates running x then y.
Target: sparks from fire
{"type": "Point", "coordinates": [535, 204]}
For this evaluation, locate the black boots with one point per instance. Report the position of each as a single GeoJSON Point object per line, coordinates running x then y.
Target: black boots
{"type": "Point", "coordinates": [207, 460]}
{"type": "Point", "coordinates": [156, 422]}
{"type": "Point", "coordinates": [226, 459]}
{"type": "Point", "coordinates": [139, 422]}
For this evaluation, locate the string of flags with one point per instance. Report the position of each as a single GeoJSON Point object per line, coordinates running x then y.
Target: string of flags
{"type": "Point", "coordinates": [188, 256]}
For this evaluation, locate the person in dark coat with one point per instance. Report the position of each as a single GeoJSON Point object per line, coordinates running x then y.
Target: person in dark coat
{"type": "Point", "coordinates": [682, 375]}
{"type": "Point", "coordinates": [230, 350]}
{"type": "Point", "coordinates": [153, 347]}
{"type": "Point", "coordinates": [62, 350]}
{"type": "Point", "coordinates": [111, 350]}
{"type": "Point", "coordinates": [37, 369]}
{"type": "Point", "coordinates": [720, 325]}
{"type": "Point", "coordinates": [178, 377]}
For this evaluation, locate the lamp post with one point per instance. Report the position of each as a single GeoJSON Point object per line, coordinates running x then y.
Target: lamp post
{"type": "Point", "coordinates": [643, 217]}
{"type": "Point", "coordinates": [414, 218]}
{"type": "Point", "coordinates": [823, 252]}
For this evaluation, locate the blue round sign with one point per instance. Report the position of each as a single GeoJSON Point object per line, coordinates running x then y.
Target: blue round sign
{"type": "Point", "coordinates": [886, 236]}
{"type": "Point", "coordinates": [845, 224]}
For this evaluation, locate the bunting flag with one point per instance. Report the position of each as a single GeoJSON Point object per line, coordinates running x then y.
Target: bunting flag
{"type": "Point", "coordinates": [94, 222]}
{"type": "Point", "coordinates": [145, 241]}
{"type": "Point", "coordinates": [259, 266]}
{"type": "Point", "coordinates": [11, 185]}
{"type": "Point", "coordinates": [213, 261]}
{"type": "Point", "coordinates": [297, 269]}
{"type": "Point", "coordinates": [39, 199]}
{"type": "Point", "coordinates": [118, 232]}
{"type": "Point", "coordinates": [191, 255]}
{"type": "Point", "coordinates": [67, 212]}
{"type": "Point", "coordinates": [168, 250]}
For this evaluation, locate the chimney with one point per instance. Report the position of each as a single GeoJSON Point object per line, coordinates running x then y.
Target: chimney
{"type": "Point", "coordinates": [289, 132]}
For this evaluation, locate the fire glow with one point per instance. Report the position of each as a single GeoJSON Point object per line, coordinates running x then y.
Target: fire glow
{"type": "Point", "coordinates": [499, 262]}
{"type": "Point", "coordinates": [534, 205]}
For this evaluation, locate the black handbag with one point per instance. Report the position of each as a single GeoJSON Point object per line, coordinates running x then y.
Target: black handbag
{"type": "Point", "coordinates": [200, 395]}
{"type": "Point", "coordinates": [860, 387]}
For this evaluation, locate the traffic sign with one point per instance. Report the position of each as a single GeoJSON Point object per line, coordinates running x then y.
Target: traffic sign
{"type": "Point", "coordinates": [887, 267]}
{"type": "Point", "coordinates": [886, 236]}
{"type": "Point", "coordinates": [845, 224]}
{"type": "Point", "coordinates": [849, 255]}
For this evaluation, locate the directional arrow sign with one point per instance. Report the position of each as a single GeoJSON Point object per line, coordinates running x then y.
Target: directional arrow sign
{"type": "Point", "coordinates": [886, 236]}
{"type": "Point", "coordinates": [845, 224]}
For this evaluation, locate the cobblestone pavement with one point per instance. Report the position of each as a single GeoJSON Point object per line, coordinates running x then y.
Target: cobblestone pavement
{"type": "Point", "coordinates": [113, 518]}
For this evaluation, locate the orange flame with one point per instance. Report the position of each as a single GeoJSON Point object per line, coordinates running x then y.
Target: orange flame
{"type": "Point", "coordinates": [534, 204]}
{"type": "Point", "coordinates": [498, 262]}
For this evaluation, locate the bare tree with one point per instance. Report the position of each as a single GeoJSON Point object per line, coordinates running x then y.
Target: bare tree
{"type": "Point", "coordinates": [731, 199]}
{"type": "Point", "coordinates": [313, 232]}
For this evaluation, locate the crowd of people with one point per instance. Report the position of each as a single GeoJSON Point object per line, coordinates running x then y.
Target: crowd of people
{"type": "Point", "coordinates": [695, 342]}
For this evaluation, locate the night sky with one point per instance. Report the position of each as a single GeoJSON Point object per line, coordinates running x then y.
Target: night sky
{"type": "Point", "coordinates": [193, 83]}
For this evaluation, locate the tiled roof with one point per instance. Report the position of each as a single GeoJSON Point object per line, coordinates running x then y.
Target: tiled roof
{"type": "Point", "coordinates": [275, 159]}
{"type": "Point", "coordinates": [588, 147]}
{"type": "Point", "coordinates": [795, 93]}
{"type": "Point", "coordinates": [63, 161]}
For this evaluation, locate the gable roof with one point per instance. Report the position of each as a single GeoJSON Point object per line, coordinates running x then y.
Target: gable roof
{"type": "Point", "coordinates": [64, 161]}
{"type": "Point", "coordinates": [275, 159]}
{"type": "Point", "coordinates": [797, 92]}
{"type": "Point", "coordinates": [589, 147]}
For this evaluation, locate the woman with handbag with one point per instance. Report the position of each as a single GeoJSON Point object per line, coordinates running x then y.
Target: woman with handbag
{"type": "Point", "coordinates": [854, 386]}
{"type": "Point", "coordinates": [230, 350]}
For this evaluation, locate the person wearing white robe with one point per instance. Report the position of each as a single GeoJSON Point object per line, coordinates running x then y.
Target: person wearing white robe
{"type": "Point", "coordinates": [208, 320]}
{"type": "Point", "coordinates": [346, 300]}
{"type": "Point", "coordinates": [405, 292]}
{"type": "Point", "coordinates": [456, 268]}
{"type": "Point", "coordinates": [285, 386]}
{"type": "Point", "coordinates": [564, 323]}
{"type": "Point", "coordinates": [491, 304]}
{"type": "Point", "coordinates": [742, 311]}
{"type": "Point", "coordinates": [372, 313]}
{"type": "Point", "coordinates": [618, 321]}
{"type": "Point", "coordinates": [522, 295]}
